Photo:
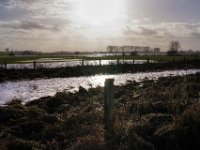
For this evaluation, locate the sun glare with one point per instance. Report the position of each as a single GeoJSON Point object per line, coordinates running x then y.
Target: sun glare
{"type": "Point", "coordinates": [97, 11]}
{"type": "Point", "coordinates": [100, 79]}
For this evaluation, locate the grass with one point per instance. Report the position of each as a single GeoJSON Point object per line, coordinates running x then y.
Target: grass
{"type": "Point", "coordinates": [148, 115]}
{"type": "Point", "coordinates": [2, 53]}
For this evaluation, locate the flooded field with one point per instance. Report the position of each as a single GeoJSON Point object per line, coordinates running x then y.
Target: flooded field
{"type": "Point", "coordinates": [58, 63]}
{"type": "Point", "coordinates": [33, 89]}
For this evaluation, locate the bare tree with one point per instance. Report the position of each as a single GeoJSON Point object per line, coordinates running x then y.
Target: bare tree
{"type": "Point", "coordinates": [174, 46]}
{"type": "Point", "coordinates": [7, 50]}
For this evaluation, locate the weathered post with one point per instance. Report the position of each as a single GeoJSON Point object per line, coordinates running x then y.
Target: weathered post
{"type": "Point", "coordinates": [34, 65]}
{"type": "Point", "coordinates": [5, 65]}
{"type": "Point", "coordinates": [147, 60]}
{"type": "Point", "coordinates": [108, 110]}
{"type": "Point", "coordinates": [99, 62]}
{"type": "Point", "coordinates": [117, 61]}
{"type": "Point", "coordinates": [184, 59]}
{"type": "Point", "coordinates": [82, 62]}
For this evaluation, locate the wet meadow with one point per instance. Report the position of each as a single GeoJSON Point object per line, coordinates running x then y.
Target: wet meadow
{"type": "Point", "coordinates": [150, 114]}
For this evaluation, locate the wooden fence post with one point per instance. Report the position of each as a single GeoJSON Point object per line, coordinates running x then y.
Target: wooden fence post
{"type": "Point", "coordinates": [147, 60]}
{"type": "Point", "coordinates": [184, 59]}
{"type": "Point", "coordinates": [82, 62]}
{"type": "Point", "coordinates": [5, 65]}
{"type": "Point", "coordinates": [108, 110]}
{"type": "Point", "coordinates": [34, 65]}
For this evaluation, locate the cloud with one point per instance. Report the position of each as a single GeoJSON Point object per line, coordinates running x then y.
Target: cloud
{"type": "Point", "coordinates": [40, 8]}
{"type": "Point", "coordinates": [2, 2]}
{"type": "Point", "coordinates": [160, 34]}
{"type": "Point", "coordinates": [128, 31]}
{"type": "Point", "coordinates": [27, 1]}
{"type": "Point", "coordinates": [142, 31]}
{"type": "Point", "coordinates": [5, 3]}
{"type": "Point", "coordinates": [39, 23]}
{"type": "Point", "coordinates": [179, 30]}
{"type": "Point", "coordinates": [27, 25]}
{"type": "Point", "coordinates": [146, 31]}
{"type": "Point", "coordinates": [195, 34]}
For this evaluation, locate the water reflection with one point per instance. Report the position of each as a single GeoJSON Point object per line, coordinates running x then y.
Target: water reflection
{"type": "Point", "coordinates": [71, 63]}
{"type": "Point", "coordinates": [34, 89]}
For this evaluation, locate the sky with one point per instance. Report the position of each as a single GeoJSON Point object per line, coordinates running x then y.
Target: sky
{"type": "Point", "coordinates": [91, 25]}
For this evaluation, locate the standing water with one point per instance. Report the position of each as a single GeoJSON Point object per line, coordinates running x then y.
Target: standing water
{"type": "Point", "coordinates": [33, 89]}
{"type": "Point", "coordinates": [49, 63]}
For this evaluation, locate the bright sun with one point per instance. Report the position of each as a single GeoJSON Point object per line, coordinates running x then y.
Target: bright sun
{"type": "Point", "coordinates": [97, 11]}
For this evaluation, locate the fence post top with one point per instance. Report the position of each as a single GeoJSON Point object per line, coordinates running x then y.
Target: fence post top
{"type": "Point", "coordinates": [109, 80]}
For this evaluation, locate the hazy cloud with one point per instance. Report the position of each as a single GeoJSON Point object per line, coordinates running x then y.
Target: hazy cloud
{"type": "Point", "coordinates": [27, 25]}
{"type": "Point", "coordinates": [195, 34]}
{"type": "Point", "coordinates": [142, 31]}
{"type": "Point", "coordinates": [3, 2]}
{"type": "Point", "coordinates": [163, 29]}
{"type": "Point", "coordinates": [146, 31]}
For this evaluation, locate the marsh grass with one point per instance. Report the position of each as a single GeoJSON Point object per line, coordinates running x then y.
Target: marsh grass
{"type": "Point", "coordinates": [150, 115]}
